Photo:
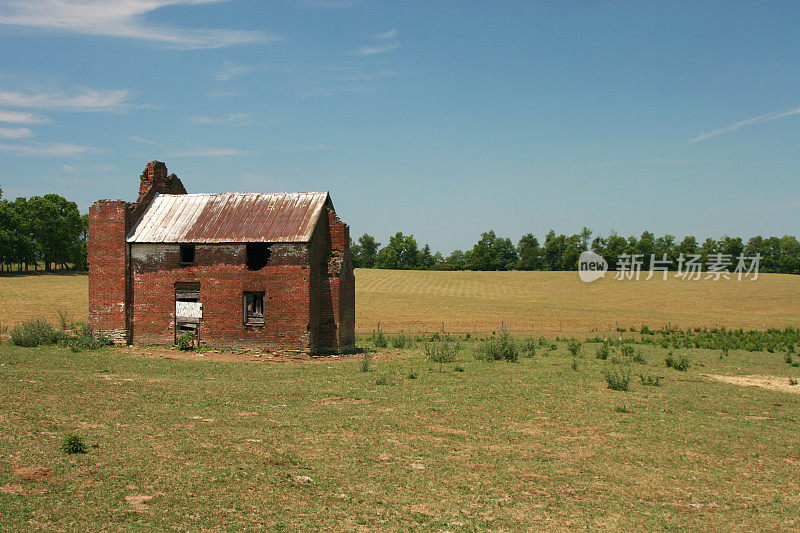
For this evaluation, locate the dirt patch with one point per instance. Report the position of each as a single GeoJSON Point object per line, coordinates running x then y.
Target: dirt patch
{"type": "Point", "coordinates": [9, 488]}
{"type": "Point", "coordinates": [33, 473]}
{"type": "Point", "coordinates": [765, 382]}
{"type": "Point", "coordinates": [334, 400]}
{"type": "Point", "coordinates": [138, 501]}
{"type": "Point", "coordinates": [164, 352]}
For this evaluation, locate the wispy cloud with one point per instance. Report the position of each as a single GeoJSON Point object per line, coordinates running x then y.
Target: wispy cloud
{"type": "Point", "coordinates": [234, 119]}
{"type": "Point", "coordinates": [205, 151]}
{"type": "Point", "coordinates": [81, 100]}
{"type": "Point", "coordinates": [329, 3]}
{"type": "Point", "coordinates": [653, 161]}
{"type": "Point", "coordinates": [19, 117]}
{"type": "Point", "coordinates": [310, 148]}
{"type": "Point", "coordinates": [391, 34]}
{"type": "Point", "coordinates": [142, 140]}
{"type": "Point", "coordinates": [748, 122]}
{"type": "Point", "coordinates": [230, 70]}
{"type": "Point", "coordinates": [373, 50]}
{"type": "Point", "coordinates": [47, 150]}
{"type": "Point", "coordinates": [330, 81]}
{"type": "Point", "coordinates": [121, 18]}
{"type": "Point", "coordinates": [15, 133]}
{"type": "Point", "coordinates": [88, 168]}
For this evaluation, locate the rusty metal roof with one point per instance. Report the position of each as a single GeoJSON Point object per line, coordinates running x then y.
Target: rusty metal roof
{"type": "Point", "coordinates": [229, 217]}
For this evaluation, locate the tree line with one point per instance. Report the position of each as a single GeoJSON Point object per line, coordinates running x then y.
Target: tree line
{"type": "Point", "coordinates": [42, 230]}
{"type": "Point", "coordinates": [50, 231]}
{"type": "Point", "coordinates": [561, 252]}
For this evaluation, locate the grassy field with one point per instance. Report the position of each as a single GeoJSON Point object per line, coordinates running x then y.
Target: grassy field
{"type": "Point", "coordinates": [218, 441]}
{"type": "Point", "coordinates": [550, 303]}
{"type": "Point", "coordinates": [207, 444]}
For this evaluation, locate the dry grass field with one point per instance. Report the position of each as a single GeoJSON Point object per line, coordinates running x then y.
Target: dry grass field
{"type": "Point", "coordinates": [558, 303]}
{"type": "Point", "coordinates": [548, 303]}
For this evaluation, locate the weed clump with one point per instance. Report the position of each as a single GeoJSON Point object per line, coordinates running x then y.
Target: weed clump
{"type": "Point", "coordinates": [639, 357]}
{"type": "Point", "coordinates": [618, 378]}
{"type": "Point", "coordinates": [86, 341]}
{"type": "Point", "coordinates": [528, 348]}
{"type": "Point", "coordinates": [680, 362]}
{"type": "Point", "coordinates": [402, 341]}
{"type": "Point", "coordinates": [185, 342]}
{"type": "Point", "coordinates": [574, 347]}
{"type": "Point", "coordinates": [383, 380]}
{"type": "Point", "coordinates": [442, 351]}
{"type": "Point", "coordinates": [500, 348]}
{"type": "Point", "coordinates": [34, 332]}
{"type": "Point", "coordinates": [603, 352]}
{"type": "Point", "coordinates": [366, 363]}
{"type": "Point", "coordinates": [379, 339]}
{"type": "Point", "coordinates": [73, 444]}
{"type": "Point", "coordinates": [650, 380]}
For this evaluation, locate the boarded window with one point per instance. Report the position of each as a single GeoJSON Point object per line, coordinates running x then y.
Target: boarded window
{"type": "Point", "coordinates": [253, 308]}
{"type": "Point", "coordinates": [187, 254]}
{"type": "Point", "coordinates": [257, 255]}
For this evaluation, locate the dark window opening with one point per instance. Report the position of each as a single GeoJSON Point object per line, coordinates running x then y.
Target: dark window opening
{"type": "Point", "coordinates": [253, 308]}
{"type": "Point", "coordinates": [187, 254]}
{"type": "Point", "coordinates": [257, 255]}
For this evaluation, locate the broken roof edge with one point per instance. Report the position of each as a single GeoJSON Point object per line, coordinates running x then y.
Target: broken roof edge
{"type": "Point", "coordinates": [230, 218]}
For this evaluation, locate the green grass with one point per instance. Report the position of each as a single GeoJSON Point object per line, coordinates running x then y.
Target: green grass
{"type": "Point", "coordinates": [212, 445]}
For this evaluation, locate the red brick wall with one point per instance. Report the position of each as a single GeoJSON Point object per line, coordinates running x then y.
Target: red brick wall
{"type": "Point", "coordinates": [223, 277]}
{"type": "Point", "coordinates": [333, 285]}
{"type": "Point", "coordinates": [108, 261]}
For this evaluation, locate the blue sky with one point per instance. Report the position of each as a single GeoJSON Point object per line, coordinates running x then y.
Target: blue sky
{"type": "Point", "coordinates": [441, 119]}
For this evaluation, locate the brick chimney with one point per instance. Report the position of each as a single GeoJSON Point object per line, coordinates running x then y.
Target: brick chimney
{"type": "Point", "coordinates": [155, 178]}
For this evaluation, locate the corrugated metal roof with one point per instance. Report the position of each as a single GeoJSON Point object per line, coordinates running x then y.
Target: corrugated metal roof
{"type": "Point", "coordinates": [230, 217]}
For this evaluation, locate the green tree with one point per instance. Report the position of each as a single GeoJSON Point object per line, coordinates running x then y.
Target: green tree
{"type": "Point", "coordinates": [529, 253]}
{"type": "Point", "coordinates": [401, 253]}
{"type": "Point", "coordinates": [426, 259]}
{"type": "Point", "coordinates": [365, 252]}
{"type": "Point", "coordinates": [492, 253]}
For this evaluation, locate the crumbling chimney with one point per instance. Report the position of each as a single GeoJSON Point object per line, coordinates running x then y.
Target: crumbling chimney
{"type": "Point", "coordinates": [154, 177]}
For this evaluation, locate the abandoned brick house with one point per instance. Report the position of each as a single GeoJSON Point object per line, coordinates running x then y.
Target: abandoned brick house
{"type": "Point", "coordinates": [241, 270]}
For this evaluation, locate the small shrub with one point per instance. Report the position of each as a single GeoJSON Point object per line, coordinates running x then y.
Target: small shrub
{"type": "Point", "coordinates": [527, 348]}
{"type": "Point", "coordinates": [602, 352]}
{"type": "Point", "coordinates": [442, 351]}
{"type": "Point", "coordinates": [650, 380]}
{"type": "Point", "coordinates": [34, 332]}
{"type": "Point", "coordinates": [792, 382]}
{"type": "Point", "coordinates": [402, 341]}
{"type": "Point", "coordinates": [458, 368]}
{"type": "Point", "coordinates": [680, 362]}
{"type": "Point", "coordinates": [622, 409]}
{"type": "Point", "coordinates": [380, 340]}
{"type": "Point", "coordinates": [627, 350]}
{"type": "Point", "coordinates": [185, 342]}
{"type": "Point", "coordinates": [788, 357]}
{"type": "Point", "coordinates": [502, 348]}
{"type": "Point", "coordinates": [645, 330]}
{"type": "Point", "coordinates": [366, 363]}
{"type": "Point", "coordinates": [412, 374]}
{"type": "Point", "coordinates": [86, 341]}
{"type": "Point", "coordinates": [383, 380]}
{"type": "Point", "coordinates": [574, 364]}
{"type": "Point", "coordinates": [574, 347]}
{"type": "Point", "coordinates": [64, 320]}
{"type": "Point", "coordinates": [73, 444]}
{"type": "Point", "coordinates": [639, 357]}
{"type": "Point", "coordinates": [618, 378]}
